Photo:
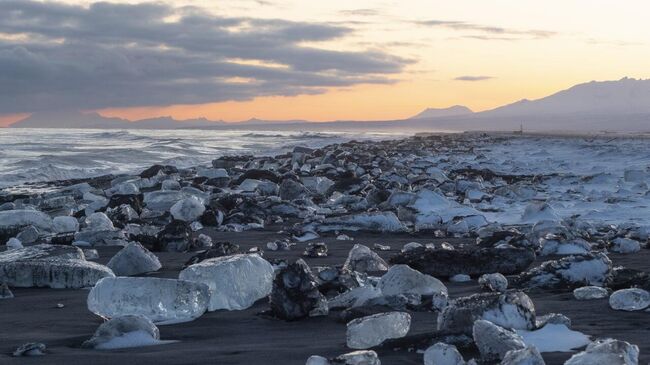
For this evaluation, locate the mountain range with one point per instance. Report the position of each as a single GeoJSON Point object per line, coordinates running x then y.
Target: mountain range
{"type": "Point", "coordinates": [622, 105]}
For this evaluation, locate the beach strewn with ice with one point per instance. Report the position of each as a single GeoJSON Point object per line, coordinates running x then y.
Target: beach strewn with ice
{"type": "Point", "coordinates": [328, 249]}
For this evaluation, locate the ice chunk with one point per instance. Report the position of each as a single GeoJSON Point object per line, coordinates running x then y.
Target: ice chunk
{"type": "Point", "coordinates": [361, 258]}
{"type": "Point", "coordinates": [161, 300]}
{"type": "Point", "coordinates": [536, 212]}
{"type": "Point", "coordinates": [493, 282]}
{"type": "Point", "coordinates": [569, 272]}
{"type": "Point", "coordinates": [370, 331]}
{"type": "Point", "coordinates": [50, 266]}
{"type": "Point", "coordinates": [212, 173]}
{"type": "Point", "coordinates": [28, 235]}
{"type": "Point", "coordinates": [494, 342]}
{"type": "Point", "coordinates": [125, 332]}
{"type": "Point", "coordinates": [236, 282]}
{"type": "Point", "coordinates": [433, 209]}
{"type": "Point", "coordinates": [590, 292]}
{"type": "Point", "coordinates": [443, 354]}
{"type": "Point", "coordinates": [401, 279]}
{"type": "Point", "coordinates": [30, 349]}
{"type": "Point", "coordinates": [162, 200]}
{"type": "Point", "coordinates": [373, 221]}
{"type": "Point", "coordinates": [606, 352]}
{"type": "Point", "coordinates": [554, 338]}
{"type": "Point", "coordinates": [5, 292]}
{"type": "Point", "coordinates": [64, 224]}
{"type": "Point", "coordinates": [14, 243]}
{"type": "Point", "coordinates": [355, 297]}
{"type": "Point", "coordinates": [633, 299]}
{"type": "Point", "coordinates": [460, 278]}
{"type": "Point", "coordinates": [526, 356]}
{"type": "Point", "coordinates": [188, 210]}
{"type": "Point", "coordinates": [133, 259]}
{"type": "Point", "coordinates": [357, 358]}
{"type": "Point", "coordinates": [512, 309]}
{"type": "Point", "coordinates": [19, 218]}
{"type": "Point", "coordinates": [625, 245]}
{"type": "Point", "coordinates": [99, 222]}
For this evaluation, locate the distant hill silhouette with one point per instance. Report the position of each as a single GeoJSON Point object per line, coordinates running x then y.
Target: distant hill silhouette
{"type": "Point", "coordinates": [622, 105]}
{"type": "Point", "coordinates": [443, 112]}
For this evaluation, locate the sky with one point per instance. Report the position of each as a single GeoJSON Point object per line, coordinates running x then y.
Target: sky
{"type": "Point", "coordinates": [313, 60]}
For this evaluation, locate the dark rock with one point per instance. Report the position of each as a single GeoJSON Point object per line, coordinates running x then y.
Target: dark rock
{"type": "Point", "coordinates": [295, 293]}
{"type": "Point", "coordinates": [218, 249]}
{"type": "Point", "coordinates": [316, 249]}
{"type": "Point", "coordinates": [211, 218]}
{"type": "Point", "coordinates": [623, 278]}
{"type": "Point", "coordinates": [466, 260]}
{"type": "Point", "coordinates": [63, 238]}
{"type": "Point", "coordinates": [175, 237]}
{"type": "Point", "coordinates": [259, 174]}
{"type": "Point", "coordinates": [155, 169]}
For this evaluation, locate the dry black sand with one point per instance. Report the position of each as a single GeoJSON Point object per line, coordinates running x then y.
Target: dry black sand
{"type": "Point", "coordinates": [243, 337]}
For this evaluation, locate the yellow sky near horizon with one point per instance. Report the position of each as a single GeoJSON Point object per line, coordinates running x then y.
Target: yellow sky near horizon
{"type": "Point", "coordinates": [525, 49]}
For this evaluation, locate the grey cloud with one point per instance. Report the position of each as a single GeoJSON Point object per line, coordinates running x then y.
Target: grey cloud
{"type": "Point", "coordinates": [512, 34]}
{"type": "Point", "coordinates": [118, 55]}
{"type": "Point", "coordinates": [473, 78]}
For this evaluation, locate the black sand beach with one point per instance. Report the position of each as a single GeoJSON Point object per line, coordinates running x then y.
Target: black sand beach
{"type": "Point", "coordinates": [244, 337]}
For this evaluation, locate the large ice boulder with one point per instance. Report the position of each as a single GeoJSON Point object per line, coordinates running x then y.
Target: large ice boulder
{"type": "Point", "coordinates": [370, 331]}
{"type": "Point", "coordinates": [493, 341]}
{"type": "Point", "coordinates": [99, 222]}
{"type": "Point", "coordinates": [188, 210]}
{"type": "Point", "coordinates": [363, 357]}
{"type": "Point", "coordinates": [568, 272]}
{"type": "Point", "coordinates": [590, 292]}
{"type": "Point", "coordinates": [401, 279]}
{"type": "Point", "coordinates": [633, 299]}
{"type": "Point", "coordinates": [625, 245]}
{"type": "Point", "coordinates": [236, 282]}
{"type": "Point", "coordinates": [51, 266]}
{"type": "Point", "coordinates": [433, 209]}
{"type": "Point", "coordinates": [134, 259]}
{"type": "Point", "coordinates": [606, 352]}
{"type": "Point", "coordinates": [372, 221]}
{"type": "Point", "coordinates": [13, 221]}
{"type": "Point", "coordinates": [526, 356]}
{"type": "Point", "coordinates": [123, 332]}
{"type": "Point", "coordinates": [64, 224]}
{"type": "Point", "coordinates": [161, 300]}
{"type": "Point", "coordinates": [443, 354]}
{"type": "Point", "coordinates": [536, 212]}
{"type": "Point", "coordinates": [513, 309]}
{"type": "Point", "coordinates": [361, 258]}
{"type": "Point", "coordinates": [162, 200]}
{"type": "Point", "coordinates": [493, 282]}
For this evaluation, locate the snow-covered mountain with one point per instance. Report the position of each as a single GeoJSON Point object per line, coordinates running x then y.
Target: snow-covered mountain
{"type": "Point", "coordinates": [625, 96]}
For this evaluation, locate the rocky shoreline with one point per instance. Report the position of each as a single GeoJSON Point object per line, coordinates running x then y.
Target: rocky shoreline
{"type": "Point", "coordinates": [353, 253]}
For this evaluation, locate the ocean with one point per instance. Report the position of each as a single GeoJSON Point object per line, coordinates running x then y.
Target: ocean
{"type": "Point", "coordinates": [38, 155]}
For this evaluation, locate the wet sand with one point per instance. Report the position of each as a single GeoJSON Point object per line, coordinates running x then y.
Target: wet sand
{"type": "Point", "coordinates": [244, 337]}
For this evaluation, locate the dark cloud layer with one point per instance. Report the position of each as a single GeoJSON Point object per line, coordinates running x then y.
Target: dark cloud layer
{"type": "Point", "coordinates": [56, 56]}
